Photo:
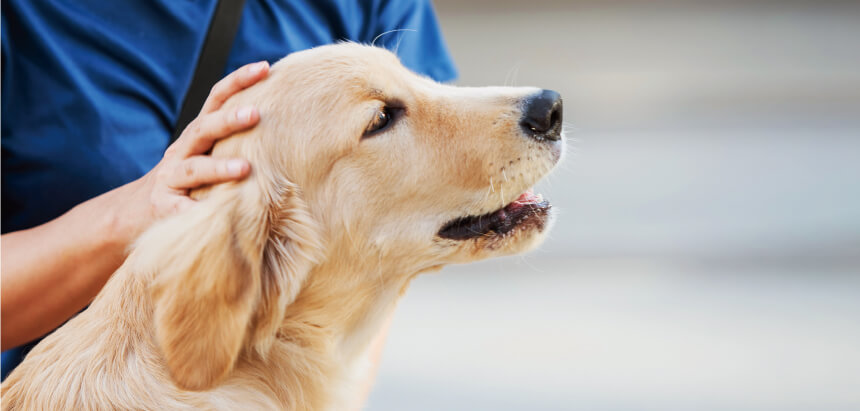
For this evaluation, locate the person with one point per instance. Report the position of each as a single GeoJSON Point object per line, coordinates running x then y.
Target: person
{"type": "Point", "coordinates": [90, 95]}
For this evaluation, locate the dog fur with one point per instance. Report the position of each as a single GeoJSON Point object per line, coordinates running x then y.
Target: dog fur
{"type": "Point", "coordinates": [266, 295]}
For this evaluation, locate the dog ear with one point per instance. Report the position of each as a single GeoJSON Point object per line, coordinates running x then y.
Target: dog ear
{"type": "Point", "coordinates": [217, 270]}
{"type": "Point", "coordinates": [292, 248]}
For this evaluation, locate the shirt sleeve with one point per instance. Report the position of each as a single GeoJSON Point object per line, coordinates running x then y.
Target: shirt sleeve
{"type": "Point", "coordinates": [410, 29]}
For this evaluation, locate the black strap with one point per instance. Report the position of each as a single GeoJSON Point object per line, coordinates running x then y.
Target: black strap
{"type": "Point", "coordinates": [211, 62]}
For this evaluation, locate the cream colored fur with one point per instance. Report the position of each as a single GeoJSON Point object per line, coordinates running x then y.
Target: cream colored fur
{"type": "Point", "coordinates": [267, 294]}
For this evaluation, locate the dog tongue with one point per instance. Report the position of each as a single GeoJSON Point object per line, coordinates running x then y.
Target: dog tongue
{"type": "Point", "coordinates": [528, 197]}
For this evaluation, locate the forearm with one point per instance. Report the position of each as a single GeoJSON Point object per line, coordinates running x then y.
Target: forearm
{"type": "Point", "coordinates": [52, 271]}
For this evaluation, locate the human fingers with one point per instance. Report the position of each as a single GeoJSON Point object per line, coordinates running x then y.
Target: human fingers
{"type": "Point", "coordinates": [202, 133]}
{"type": "Point", "coordinates": [202, 170]}
{"type": "Point", "coordinates": [234, 82]}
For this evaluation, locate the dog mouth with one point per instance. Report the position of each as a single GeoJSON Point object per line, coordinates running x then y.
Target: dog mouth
{"type": "Point", "coordinates": [528, 208]}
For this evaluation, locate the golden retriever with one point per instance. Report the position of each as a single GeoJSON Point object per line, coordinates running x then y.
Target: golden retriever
{"type": "Point", "coordinates": [267, 294]}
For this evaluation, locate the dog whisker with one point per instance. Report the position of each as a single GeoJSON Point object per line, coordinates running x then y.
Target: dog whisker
{"type": "Point", "coordinates": [511, 75]}
{"type": "Point", "coordinates": [397, 47]}
{"type": "Point", "coordinates": [524, 259]}
{"type": "Point", "coordinates": [373, 43]}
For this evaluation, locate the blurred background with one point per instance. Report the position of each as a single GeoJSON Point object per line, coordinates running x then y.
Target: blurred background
{"type": "Point", "coordinates": [706, 254]}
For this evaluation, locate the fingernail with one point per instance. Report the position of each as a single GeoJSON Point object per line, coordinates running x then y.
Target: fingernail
{"type": "Point", "coordinates": [244, 114]}
{"type": "Point", "coordinates": [256, 68]}
{"type": "Point", "coordinates": [235, 167]}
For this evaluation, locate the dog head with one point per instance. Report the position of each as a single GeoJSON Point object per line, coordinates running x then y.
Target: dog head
{"type": "Point", "coordinates": [359, 166]}
{"type": "Point", "coordinates": [395, 164]}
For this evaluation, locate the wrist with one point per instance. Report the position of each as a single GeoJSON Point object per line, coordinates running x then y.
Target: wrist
{"type": "Point", "coordinates": [120, 222]}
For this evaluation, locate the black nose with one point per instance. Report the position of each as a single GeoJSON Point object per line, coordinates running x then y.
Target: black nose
{"type": "Point", "coordinates": [542, 115]}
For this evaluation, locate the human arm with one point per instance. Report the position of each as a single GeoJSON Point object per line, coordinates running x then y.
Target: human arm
{"type": "Point", "coordinates": [52, 271]}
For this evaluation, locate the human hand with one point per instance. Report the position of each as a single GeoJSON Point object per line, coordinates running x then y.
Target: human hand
{"type": "Point", "coordinates": [164, 190]}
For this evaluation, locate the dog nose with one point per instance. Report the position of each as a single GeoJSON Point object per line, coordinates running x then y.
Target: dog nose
{"type": "Point", "coordinates": [542, 115]}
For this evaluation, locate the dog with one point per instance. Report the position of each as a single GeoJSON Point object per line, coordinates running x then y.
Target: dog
{"type": "Point", "coordinates": [267, 294]}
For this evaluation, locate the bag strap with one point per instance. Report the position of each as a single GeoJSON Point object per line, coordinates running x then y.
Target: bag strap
{"type": "Point", "coordinates": [211, 62]}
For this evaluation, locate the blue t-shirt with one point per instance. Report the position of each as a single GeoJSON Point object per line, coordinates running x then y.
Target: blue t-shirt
{"type": "Point", "coordinates": [91, 89]}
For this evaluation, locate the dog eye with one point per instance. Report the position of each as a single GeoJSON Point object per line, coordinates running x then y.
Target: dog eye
{"type": "Point", "coordinates": [381, 120]}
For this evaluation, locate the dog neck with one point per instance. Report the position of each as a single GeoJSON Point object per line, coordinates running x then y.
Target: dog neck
{"type": "Point", "coordinates": [339, 312]}
{"type": "Point", "coordinates": [347, 304]}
